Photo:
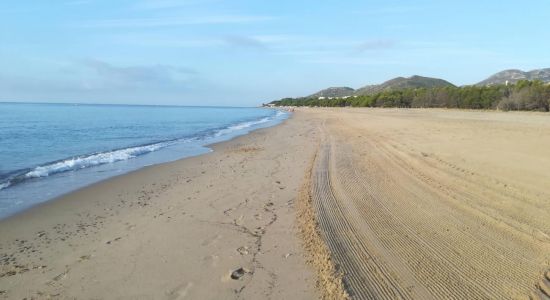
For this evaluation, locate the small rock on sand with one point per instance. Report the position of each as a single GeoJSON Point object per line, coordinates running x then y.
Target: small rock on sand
{"type": "Point", "coordinates": [238, 273]}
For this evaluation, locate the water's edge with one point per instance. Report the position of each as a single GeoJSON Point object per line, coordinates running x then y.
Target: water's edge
{"type": "Point", "coordinates": [202, 149]}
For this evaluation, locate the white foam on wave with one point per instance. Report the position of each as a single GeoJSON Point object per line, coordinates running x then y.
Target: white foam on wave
{"type": "Point", "coordinates": [92, 160]}
{"type": "Point", "coordinates": [4, 185]}
{"type": "Point", "coordinates": [86, 161]}
{"type": "Point", "coordinates": [280, 113]}
{"type": "Point", "coordinates": [241, 126]}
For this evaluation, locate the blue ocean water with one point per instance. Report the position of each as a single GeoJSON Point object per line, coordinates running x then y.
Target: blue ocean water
{"type": "Point", "coordinates": [47, 150]}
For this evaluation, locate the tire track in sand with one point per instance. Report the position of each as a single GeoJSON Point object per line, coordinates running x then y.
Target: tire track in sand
{"type": "Point", "coordinates": [396, 236]}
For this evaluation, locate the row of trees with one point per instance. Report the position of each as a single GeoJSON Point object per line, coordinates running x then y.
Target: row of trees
{"type": "Point", "coordinates": [524, 95]}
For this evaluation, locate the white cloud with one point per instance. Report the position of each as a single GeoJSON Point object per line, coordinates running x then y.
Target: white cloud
{"type": "Point", "coordinates": [352, 61]}
{"type": "Point", "coordinates": [380, 44]}
{"type": "Point", "coordinates": [170, 22]}
{"type": "Point", "coordinates": [245, 42]}
{"type": "Point", "coordinates": [162, 40]}
{"type": "Point", "coordinates": [78, 2]}
{"type": "Point", "coordinates": [96, 75]}
{"type": "Point", "coordinates": [167, 4]}
{"type": "Point", "coordinates": [392, 10]}
{"type": "Point", "coordinates": [108, 75]}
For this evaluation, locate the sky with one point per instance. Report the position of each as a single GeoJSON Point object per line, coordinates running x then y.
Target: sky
{"type": "Point", "coordinates": [248, 52]}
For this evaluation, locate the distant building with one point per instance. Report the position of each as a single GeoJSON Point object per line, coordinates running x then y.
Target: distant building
{"type": "Point", "coordinates": [330, 98]}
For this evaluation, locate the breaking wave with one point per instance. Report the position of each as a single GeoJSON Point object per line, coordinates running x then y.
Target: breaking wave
{"type": "Point", "coordinates": [100, 158]}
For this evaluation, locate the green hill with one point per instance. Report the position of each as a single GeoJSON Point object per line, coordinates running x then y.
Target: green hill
{"type": "Point", "coordinates": [333, 92]}
{"type": "Point", "coordinates": [401, 83]}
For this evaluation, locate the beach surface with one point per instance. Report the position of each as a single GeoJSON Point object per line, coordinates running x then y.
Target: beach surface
{"type": "Point", "coordinates": [173, 231]}
{"type": "Point", "coordinates": [436, 204]}
{"type": "Point", "coordinates": [404, 203]}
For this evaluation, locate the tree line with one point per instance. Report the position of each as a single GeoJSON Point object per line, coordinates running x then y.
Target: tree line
{"type": "Point", "coordinates": [523, 95]}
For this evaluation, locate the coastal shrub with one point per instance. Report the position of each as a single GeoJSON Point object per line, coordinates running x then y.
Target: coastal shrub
{"type": "Point", "coordinates": [524, 95]}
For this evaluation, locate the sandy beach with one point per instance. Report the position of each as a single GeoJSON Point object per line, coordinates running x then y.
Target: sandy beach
{"type": "Point", "coordinates": [173, 231]}
{"type": "Point", "coordinates": [404, 203]}
{"type": "Point", "coordinates": [436, 204]}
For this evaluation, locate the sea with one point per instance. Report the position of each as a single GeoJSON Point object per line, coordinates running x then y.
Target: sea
{"type": "Point", "coordinates": [47, 150]}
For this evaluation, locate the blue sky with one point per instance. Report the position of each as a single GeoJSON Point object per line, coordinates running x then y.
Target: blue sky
{"type": "Point", "coordinates": [243, 53]}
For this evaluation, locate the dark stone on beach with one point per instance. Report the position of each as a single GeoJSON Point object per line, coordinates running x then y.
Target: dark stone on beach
{"type": "Point", "coordinates": [237, 274]}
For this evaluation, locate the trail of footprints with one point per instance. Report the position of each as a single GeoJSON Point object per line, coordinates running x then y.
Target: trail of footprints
{"type": "Point", "coordinates": [29, 255]}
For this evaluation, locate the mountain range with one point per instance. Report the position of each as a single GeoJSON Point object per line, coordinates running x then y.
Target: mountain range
{"type": "Point", "coordinates": [399, 83]}
{"type": "Point", "coordinates": [512, 76]}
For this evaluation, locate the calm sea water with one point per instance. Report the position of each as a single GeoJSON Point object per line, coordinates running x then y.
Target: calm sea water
{"type": "Point", "coordinates": [47, 150]}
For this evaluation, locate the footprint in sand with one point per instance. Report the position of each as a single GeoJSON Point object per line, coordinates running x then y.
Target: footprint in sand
{"type": "Point", "coordinates": [114, 240]}
{"type": "Point", "coordinates": [243, 250]}
{"type": "Point", "coordinates": [181, 291]}
{"type": "Point", "coordinates": [210, 260]}
{"type": "Point", "coordinates": [239, 221]}
{"type": "Point", "coordinates": [85, 257]}
{"type": "Point", "coordinates": [211, 241]}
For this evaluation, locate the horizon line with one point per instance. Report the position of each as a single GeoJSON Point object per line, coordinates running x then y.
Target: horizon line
{"type": "Point", "coordinates": [121, 104]}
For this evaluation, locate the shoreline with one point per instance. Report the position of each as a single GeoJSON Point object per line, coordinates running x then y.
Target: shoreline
{"type": "Point", "coordinates": [212, 148]}
{"type": "Point", "coordinates": [208, 147]}
{"type": "Point", "coordinates": [369, 203]}
{"type": "Point", "coordinates": [214, 207]}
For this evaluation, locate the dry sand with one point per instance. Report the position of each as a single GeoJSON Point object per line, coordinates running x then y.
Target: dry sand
{"type": "Point", "coordinates": [410, 204]}
{"type": "Point", "coordinates": [436, 204]}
